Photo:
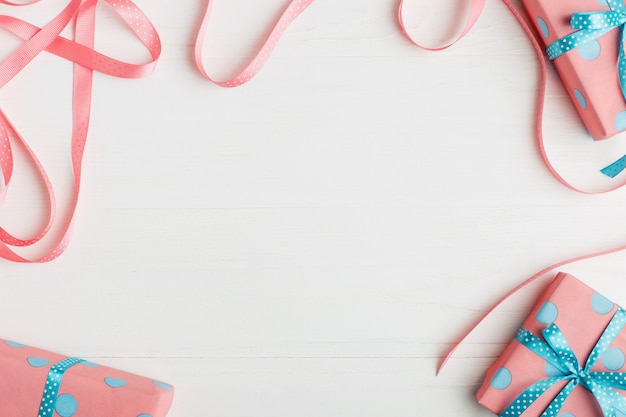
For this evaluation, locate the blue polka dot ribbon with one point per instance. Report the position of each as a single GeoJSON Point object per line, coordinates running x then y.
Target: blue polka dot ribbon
{"type": "Point", "coordinates": [589, 27]}
{"type": "Point", "coordinates": [53, 383]}
{"type": "Point", "coordinates": [556, 351]}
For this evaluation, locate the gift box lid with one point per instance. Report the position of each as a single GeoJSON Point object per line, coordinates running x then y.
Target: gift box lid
{"type": "Point", "coordinates": [582, 315]}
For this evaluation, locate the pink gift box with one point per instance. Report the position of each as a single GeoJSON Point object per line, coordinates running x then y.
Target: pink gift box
{"type": "Point", "coordinates": [588, 72]}
{"type": "Point", "coordinates": [582, 314]}
{"type": "Point", "coordinates": [85, 389]}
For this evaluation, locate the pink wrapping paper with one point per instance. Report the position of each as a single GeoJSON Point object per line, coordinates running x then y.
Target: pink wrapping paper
{"type": "Point", "coordinates": [582, 314]}
{"type": "Point", "coordinates": [86, 390]}
{"type": "Point", "coordinates": [589, 72]}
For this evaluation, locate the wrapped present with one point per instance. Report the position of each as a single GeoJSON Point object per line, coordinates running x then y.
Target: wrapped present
{"type": "Point", "coordinates": [566, 360]}
{"type": "Point", "coordinates": [38, 383]}
{"type": "Point", "coordinates": [584, 38]}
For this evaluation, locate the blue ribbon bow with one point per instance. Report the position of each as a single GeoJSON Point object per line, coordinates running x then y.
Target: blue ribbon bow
{"type": "Point", "coordinates": [556, 351]}
{"type": "Point", "coordinates": [590, 26]}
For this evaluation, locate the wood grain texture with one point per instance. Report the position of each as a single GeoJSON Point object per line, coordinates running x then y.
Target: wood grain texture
{"type": "Point", "coordinates": [310, 243]}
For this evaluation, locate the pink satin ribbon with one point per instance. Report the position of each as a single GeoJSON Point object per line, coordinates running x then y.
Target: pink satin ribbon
{"type": "Point", "coordinates": [291, 13]}
{"type": "Point", "coordinates": [86, 60]}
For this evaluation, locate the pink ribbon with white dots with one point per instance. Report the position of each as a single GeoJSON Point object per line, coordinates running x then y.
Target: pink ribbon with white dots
{"type": "Point", "coordinates": [86, 60]}
{"type": "Point", "coordinates": [291, 13]}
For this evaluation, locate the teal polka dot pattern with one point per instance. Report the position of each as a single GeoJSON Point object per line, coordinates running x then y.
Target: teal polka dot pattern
{"type": "Point", "coordinates": [552, 371]}
{"type": "Point", "coordinates": [601, 304]}
{"type": "Point", "coordinates": [501, 379]}
{"type": "Point", "coordinates": [556, 351]}
{"type": "Point", "coordinates": [613, 359]}
{"type": "Point", "coordinates": [37, 362]}
{"type": "Point", "coordinates": [90, 364]}
{"type": "Point", "coordinates": [620, 120]}
{"type": "Point", "coordinates": [66, 405]}
{"type": "Point", "coordinates": [543, 27]}
{"type": "Point", "coordinates": [602, 2]}
{"type": "Point", "coordinates": [547, 313]}
{"type": "Point", "coordinates": [163, 385]}
{"type": "Point", "coordinates": [50, 397]}
{"type": "Point", "coordinates": [589, 50]}
{"type": "Point", "coordinates": [580, 98]}
{"type": "Point", "coordinates": [115, 382]}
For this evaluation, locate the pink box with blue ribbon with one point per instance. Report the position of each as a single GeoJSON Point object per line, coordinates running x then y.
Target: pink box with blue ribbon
{"type": "Point", "coordinates": [38, 383]}
{"type": "Point", "coordinates": [567, 359]}
{"type": "Point", "coordinates": [585, 40]}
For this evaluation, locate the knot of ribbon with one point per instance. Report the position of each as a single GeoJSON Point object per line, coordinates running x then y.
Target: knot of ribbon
{"type": "Point", "coordinates": [86, 60]}
{"type": "Point", "coordinates": [556, 351]}
{"type": "Point", "coordinates": [590, 26]}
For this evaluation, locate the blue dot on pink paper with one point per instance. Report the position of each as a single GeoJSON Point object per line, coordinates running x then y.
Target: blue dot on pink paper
{"type": "Point", "coordinates": [66, 405]}
{"type": "Point", "coordinates": [115, 382]}
{"type": "Point", "coordinates": [14, 344]}
{"type": "Point", "coordinates": [589, 50]}
{"type": "Point", "coordinates": [543, 27]}
{"type": "Point", "coordinates": [620, 120]}
{"type": "Point", "coordinates": [163, 385]}
{"type": "Point", "coordinates": [144, 415]}
{"type": "Point", "coordinates": [566, 415]}
{"type": "Point", "coordinates": [38, 362]}
{"type": "Point", "coordinates": [90, 364]}
{"type": "Point", "coordinates": [580, 98]}
{"type": "Point", "coordinates": [501, 379]}
{"type": "Point", "coordinates": [601, 304]}
{"type": "Point", "coordinates": [613, 359]}
{"type": "Point", "coordinates": [547, 313]}
{"type": "Point", "coordinates": [602, 2]}
{"type": "Point", "coordinates": [552, 371]}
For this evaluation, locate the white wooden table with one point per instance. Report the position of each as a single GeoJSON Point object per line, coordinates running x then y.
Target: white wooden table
{"type": "Point", "coordinates": [308, 244]}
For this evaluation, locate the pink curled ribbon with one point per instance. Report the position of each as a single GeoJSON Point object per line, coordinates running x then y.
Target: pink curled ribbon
{"type": "Point", "coordinates": [291, 13]}
{"type": "Point", "coordinates": [476, 7]}
{"type": "Point", "coordinates": [86, 60]}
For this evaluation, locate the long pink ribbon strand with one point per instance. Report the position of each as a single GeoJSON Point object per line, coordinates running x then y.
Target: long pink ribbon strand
{"type": "Point", "coordinates": [86, 61]}
{"type": "Point", "coordinates": [291, 13]}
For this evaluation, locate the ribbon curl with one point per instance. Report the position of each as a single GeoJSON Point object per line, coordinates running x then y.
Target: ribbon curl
{"type": "Point", "coordinates": [86, 59]}
{"type": "Point", "coordinates": [590, 26]}
{"type": "Point", "coordinates": [556, 351]}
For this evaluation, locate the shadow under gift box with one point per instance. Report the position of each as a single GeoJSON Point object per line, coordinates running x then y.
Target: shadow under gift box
{"type": "Point", "coordinates": [582, 314]}
{"type": "Point", "coordinates": [85, 390]}
{"type": "Point", "coordinates": [590, 71]}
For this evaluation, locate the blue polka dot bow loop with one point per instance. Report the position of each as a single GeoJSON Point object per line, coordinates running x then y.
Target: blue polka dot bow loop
{"type": "Point", "coordinates": [589, 27]}
{"type": "Point", "coordinates": [556, 351]}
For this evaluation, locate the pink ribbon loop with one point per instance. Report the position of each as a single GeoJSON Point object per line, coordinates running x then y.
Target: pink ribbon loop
{"type": "Point", "coordinates": [291, 13]}
{"type": "Point", "coordinates": [476, 8]}
{"type": "Point", "coordinates": [86, 60]}
{"type": "Point", "coordinates": [475, 11]}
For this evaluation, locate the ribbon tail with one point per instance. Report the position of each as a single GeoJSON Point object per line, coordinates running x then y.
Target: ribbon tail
{"type": "Point", "coordinates": [614, 169]}
{"type": "Point", "coordinates": [555, 406]}
{"type": "Point", "coordinates": [608, 399]}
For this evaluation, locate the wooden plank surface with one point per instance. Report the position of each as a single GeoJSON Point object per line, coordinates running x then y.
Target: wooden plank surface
{"type": "Point", "coordinates": [310, 243]}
